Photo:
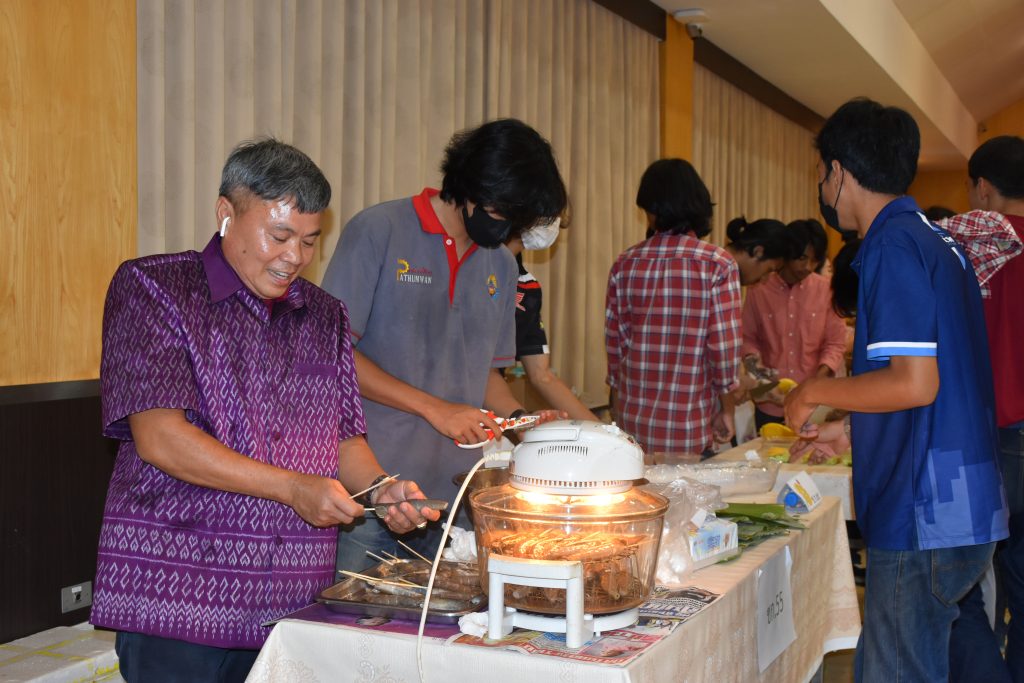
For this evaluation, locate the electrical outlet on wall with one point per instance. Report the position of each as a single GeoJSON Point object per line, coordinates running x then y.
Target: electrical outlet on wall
{"type": "Point", "coordinates": [75, 597]}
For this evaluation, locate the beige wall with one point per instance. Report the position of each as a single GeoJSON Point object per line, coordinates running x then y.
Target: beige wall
{"type": "Point", "coordinates": [68, 191]}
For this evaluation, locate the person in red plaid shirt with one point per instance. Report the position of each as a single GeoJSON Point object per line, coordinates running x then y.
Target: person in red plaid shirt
{"type": "Point", "coordinates": [996, 184]}
{"type": "Point", "coordinates": [672, 315]}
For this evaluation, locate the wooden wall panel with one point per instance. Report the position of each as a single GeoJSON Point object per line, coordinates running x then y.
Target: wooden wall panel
{"type": "Point", "coordinates": [56, 470]}
{"type": "Point", "coordinates": [1009, 121]}
{"type": "Point", "coordinates": [67, 179]}
{"type": "Point", "coordinates": [949, 188]}
{"type": "Point", "coordinates": [942, 188]}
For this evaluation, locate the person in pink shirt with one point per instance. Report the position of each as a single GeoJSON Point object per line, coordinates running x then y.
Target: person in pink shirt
{"type": "Point", "coordinates": [789, 322]}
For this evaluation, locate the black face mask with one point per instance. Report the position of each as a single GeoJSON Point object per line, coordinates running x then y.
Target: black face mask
{"type": "Point", "coordinates": [485, 231]}
{"type": "Point", "coordinates": [829, 213]}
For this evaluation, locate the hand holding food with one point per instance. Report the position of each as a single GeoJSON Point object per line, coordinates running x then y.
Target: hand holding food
{"type": "Point", "coordinates": [401, 516]}
{"type": "Point", "coordinates": [321, 501]}
{"type": "Point", "coordinates": [798, 410]}
{"type": "Point", "coordinates": [831, 447]}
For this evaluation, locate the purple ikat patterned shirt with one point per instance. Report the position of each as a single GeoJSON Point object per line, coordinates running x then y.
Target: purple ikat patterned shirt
{"type": "Point", "coordinates": [192, 563]}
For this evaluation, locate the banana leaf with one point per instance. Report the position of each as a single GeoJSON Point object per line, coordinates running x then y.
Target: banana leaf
{"type": "Point", "coordinates": [770, 513]}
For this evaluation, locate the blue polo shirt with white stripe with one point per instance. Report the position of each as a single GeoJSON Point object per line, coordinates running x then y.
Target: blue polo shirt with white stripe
{"type": "Point", "coordinates": [927, 477]}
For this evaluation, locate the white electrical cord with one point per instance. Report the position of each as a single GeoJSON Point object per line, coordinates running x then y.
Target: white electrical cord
{"type": "Point", "coordinates": [437, 557]}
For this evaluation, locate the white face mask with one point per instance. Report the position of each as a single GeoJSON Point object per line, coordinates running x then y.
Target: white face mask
{"type": "Point", "coordinates": [541, 236]}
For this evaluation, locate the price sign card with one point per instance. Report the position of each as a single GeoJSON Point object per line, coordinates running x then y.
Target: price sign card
{"type": "Point", "coordinates": [774, 608]}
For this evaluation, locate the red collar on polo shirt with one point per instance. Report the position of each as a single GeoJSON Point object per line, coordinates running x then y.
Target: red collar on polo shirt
{"type": "Point", "coordinates": [432, 224]}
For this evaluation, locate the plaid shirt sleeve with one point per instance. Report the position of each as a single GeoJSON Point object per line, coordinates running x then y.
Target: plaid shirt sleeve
{"type": "Point", "coordinates": [989, 240]}
{"type": "Point", "coordinates": [724, 336]}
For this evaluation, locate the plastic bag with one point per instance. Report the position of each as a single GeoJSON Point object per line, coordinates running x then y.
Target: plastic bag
{"type": "Point", "coordinates": [690, 503]}
{"type": "Point", "coordinates": [462, 547]}
{"type": "Point", "coordinates": [733, 478]}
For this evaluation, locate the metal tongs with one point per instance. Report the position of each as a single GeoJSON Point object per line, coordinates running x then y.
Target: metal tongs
{"type": "Point", "coordinates": [506, 424]}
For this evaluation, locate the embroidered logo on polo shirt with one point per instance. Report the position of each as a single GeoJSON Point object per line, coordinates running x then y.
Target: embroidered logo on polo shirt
{"type": "Point", "coordinates": [416, 276]}
{"type": "Point", "coordinates": [492, 285]}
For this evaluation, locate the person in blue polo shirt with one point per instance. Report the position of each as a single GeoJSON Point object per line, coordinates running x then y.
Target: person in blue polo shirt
{"type": "Point", "coordinates": [430, 292]}
{"type": "Point", "coordinates": [926, 481]}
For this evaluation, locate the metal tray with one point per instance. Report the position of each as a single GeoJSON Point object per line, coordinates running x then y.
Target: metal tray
{"type": "Point", "coordinates": [356, 596]}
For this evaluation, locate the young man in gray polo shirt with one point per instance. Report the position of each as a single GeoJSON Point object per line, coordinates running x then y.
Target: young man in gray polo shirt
{"type": "Point", "coordinates": [430, 293]}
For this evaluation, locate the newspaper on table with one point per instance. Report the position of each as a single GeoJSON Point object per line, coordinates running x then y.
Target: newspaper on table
{"type": "Point", "coordinates": [677, 603]}
{"type": "Point", "coordinates": [659, 616]}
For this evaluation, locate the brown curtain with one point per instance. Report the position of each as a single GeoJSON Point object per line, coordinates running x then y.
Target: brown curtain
{"type": "Point", "coordinates": [589, 81]}
{"type": "Point", "coordinates": [373, 89]}
{"type": "Point", "coordinates": [754, 161]}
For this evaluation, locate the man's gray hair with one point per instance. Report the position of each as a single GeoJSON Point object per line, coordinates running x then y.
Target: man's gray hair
{"type": "Point", "coordinates": [273, 170]}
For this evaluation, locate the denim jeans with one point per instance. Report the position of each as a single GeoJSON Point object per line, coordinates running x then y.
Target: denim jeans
{"type": "Point", "coordinates": [974, 655]}
{"type": "Point", "coordinates": [910, 604]}
{"type": "Point", "coordinates": [1010, 559]}
{"type": "Point", "coordinates": [371, 534]}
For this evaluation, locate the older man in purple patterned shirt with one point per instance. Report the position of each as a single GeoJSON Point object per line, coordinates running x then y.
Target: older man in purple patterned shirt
{"type": "Point", "coordinates": [230, 382]}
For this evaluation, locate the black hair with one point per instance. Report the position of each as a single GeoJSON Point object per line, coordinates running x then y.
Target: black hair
{"type": "Point", "coordinates": [769, 234]}
{"type": "Point", "coordinates": [845, 280]}
{"type": "Point", "coordinates": [273, 170]}
{"type": "Point", "coordinates": [809, 233]}
{"type": "Point", "coordinates": [507, 167]}
{"type": "Point", "coordinates": [936, 213]}
{"type": "Point", "coordinates": [1000, 161]}
{"type": "Point", "coordinates": [672, 191]}
{"type": "Point", "coordinates": [878, 145]}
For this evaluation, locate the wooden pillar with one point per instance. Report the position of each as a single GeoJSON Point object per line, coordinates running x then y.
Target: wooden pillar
{"type": "Point", "coordinates": [676, 55]}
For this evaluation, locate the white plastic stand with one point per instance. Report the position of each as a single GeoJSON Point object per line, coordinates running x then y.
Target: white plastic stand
{"type": "Point", "coordinates": [568, 575]}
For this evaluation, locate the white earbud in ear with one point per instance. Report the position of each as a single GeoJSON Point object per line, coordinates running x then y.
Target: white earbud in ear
{"type": "Point", "coordinates": [224, 226]}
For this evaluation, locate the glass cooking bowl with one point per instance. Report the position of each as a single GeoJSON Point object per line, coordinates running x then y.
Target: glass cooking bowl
{"type": "Point", "coordinates": [484, 477]}
{"type": "Point", "coordinates": [615, 536]}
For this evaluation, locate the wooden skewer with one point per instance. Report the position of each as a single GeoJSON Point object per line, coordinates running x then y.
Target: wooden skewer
{"type": "Point", "coordinates": [379, 483]}
{"type": "Point", "coordinates": [357, 575]}
{"type": "Point", "coordinates": [375, 580]}
{"type": "Point", "coordinates": [393, 558]}
{"type": "Point", "coordinates": [414, 552]}
{"type": "Point", "coordinates": [379, 558]}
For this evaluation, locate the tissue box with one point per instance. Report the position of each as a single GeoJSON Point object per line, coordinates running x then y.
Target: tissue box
{"type": "Point", "coordinates": [716, 539]}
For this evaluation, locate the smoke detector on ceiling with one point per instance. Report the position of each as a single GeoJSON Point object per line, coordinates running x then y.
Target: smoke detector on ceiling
{"type": "Point", "coordinates": [695, 18]}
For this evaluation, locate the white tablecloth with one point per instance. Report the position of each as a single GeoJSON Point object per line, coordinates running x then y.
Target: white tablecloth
{"type": "Point", "coordinates": [716, 645]}
{"type": "Point", "coordinates": [59, 655]}
{"type": "Point", "coordinates": [832, 480]}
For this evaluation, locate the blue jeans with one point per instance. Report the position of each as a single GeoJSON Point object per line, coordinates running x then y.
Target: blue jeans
{"type": "Point", "coordinates": [151, 659]}
{"type": "Point", "coordinates": [1010, 560]}
{"type": "Point", "coordinates": [974, 655]}
{"type": "Point", "coordinates": [371, 534]}
{"type": "Point", "coordinates": [910, 604]}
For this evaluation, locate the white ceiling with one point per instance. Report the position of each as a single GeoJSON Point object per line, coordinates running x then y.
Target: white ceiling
{"type": "Point", "coordinates": [951, 63]}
